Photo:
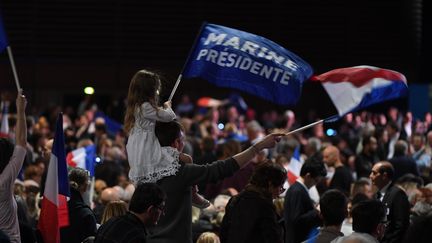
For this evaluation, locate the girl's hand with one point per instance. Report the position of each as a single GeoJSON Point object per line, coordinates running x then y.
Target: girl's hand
{"type": "Point", "coordinates": [167, 104]}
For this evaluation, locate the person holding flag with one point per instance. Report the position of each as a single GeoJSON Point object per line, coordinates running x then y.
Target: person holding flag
{"type": "Point", "coordinates": [54, 209]}
{"type": "Point", "coordinates": [11, 161]}
{"type": "Point", "coordinates": [149, 162]}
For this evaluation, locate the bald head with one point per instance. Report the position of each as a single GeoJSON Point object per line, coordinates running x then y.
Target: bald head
{"type": "Point", "coordinates": [382, 173]}
{"type": "Point", "coordinates": [331, 156]}
{"type": "Point", "coordinates": [109, 194]}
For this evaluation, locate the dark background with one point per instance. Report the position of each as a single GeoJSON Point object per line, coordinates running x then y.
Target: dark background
{"type": "Point", "coordinates": [64, 45]}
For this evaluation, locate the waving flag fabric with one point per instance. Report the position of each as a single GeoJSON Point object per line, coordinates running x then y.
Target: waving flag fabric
{"type": "Point", "coordinates": [4, 128]}
{"type": "Point", "coordinates": [354, 88]}
{"type": "Point", "coordinates": [54, 210]}
{"type": "Point", "coordinates": [3, 38]}
{"type": "Point", "coordinates": [112, 126]}
{"type": "Point", "coordinates": [83, 158]}
{"type": "Point", "coordinates": [236, 59]}
{"type": "Point", "coordinates": [294, 166]}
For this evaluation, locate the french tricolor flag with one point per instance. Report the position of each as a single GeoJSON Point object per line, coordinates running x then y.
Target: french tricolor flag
{"type": "Point", "coordinates": [83, 158]}
{"type": "Point", "coordinates": [354, 88]}
{"type": "Point", "coordinates": [294, 166]}
{"type": "Point", "coordinates": [54, 210]}
{"type": "Point", "coordinates": [4, 128]}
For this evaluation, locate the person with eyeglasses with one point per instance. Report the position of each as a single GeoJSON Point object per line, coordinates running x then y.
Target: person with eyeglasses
{"type": "Point", "coordinates": [300, 214]}
{"type": "Point", "coordinates": [251, 216]}
{"type": "Point", "coordinates": [146, 207]}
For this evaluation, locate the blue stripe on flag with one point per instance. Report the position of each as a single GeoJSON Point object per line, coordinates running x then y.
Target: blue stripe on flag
{"type": "Point", "coordinates": [59, 151]}
{"type": "Point", "coordinates": [90, 158]}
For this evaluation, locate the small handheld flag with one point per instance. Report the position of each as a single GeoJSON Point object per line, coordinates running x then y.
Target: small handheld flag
{"type": "Point", "coordinates": [355, 88]}
{"type": "Point", "coordinates": [83, 157]}
{"type": "Point", "coordinates": [4, 45]}
{"type": "Point", "coordinates": [54, 210]}
{"type": "Point", "coordinates": [4, 128]}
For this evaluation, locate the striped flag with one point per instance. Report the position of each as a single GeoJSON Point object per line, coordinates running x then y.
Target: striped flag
{"type": "Point", "coordinates": [4, 129]}
{"type": "Point", "coordinates": [54, 210]}
{"type": "Point", "coordinates": [83, 158]}
{"type": "Point", "coordinates": [294, 166]}
{"type": "Point", "coordinates": [355, 88]}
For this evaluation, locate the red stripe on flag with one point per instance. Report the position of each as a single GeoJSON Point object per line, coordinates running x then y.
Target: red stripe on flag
{"type": "Point", "coordinates": [291, 177]}
{"type": "Point", "coordinates": [63, 214]}
{"type": "Point", "coordinates": [358, 76]}
{"type": "Point", "coordinates": [48, 223]}
{"type": "Point", "coordinates": [69, 160]}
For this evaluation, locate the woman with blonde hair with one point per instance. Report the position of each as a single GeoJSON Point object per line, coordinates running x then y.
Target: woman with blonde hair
{"type": "Point", "coordinates": [114, 209]}
{"type": "Point", "coordinates": [208, 237]}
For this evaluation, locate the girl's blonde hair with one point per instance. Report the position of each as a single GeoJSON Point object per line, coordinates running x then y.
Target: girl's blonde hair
{"type": "Point", "coordinates": [143, 87]}
{"type": "Point", "coordinates": [113, 209]}
{"type": "Point", "coordinates": [208, 237]}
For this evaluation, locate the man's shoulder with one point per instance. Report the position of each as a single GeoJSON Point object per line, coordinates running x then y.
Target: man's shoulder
{"type": "Point", "coordinates": [395, 191]}
{"type": "Point", "coordinates": [295, 188]}
{"type": "Point", "coordinates": [124, 223]}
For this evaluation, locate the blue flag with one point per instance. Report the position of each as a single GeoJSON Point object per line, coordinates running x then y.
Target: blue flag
{"type": "Point", "coordinates": [3, 38]}
{"type": "Point", "coordinates": [232, 58]}
{"type": "Point", "coordinates": [112, 126]}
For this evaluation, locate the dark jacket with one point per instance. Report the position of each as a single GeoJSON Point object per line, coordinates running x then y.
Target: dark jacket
{"type": "Point", "coordinates": [175, 225]}
{"type": "Point", "coordinates": [124, 229]}
{"type": "Point", "coordinates": [398, 211]}
{"type": "Point", "coordinates": [403, 165]}
{"type": "Point", "coordinates": [250, 217]}
{"type": "Point", "coordinates": [342, 180]}
{"type": "Point", "coordinates": [363, 164]}
{"type": "Point", "coordinates": [82, 221]}
{"type": "Point", "coordinates": [299, 213]}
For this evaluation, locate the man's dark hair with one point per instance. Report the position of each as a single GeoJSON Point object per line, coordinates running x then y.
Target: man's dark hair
{"type": "Point", "coordinates": [268, 173]}
{"type": "Point", "coordinates": [386, 167]}
{"type": "Point", "coordinates": [359, 197]}
{"type": "Point", "coordinates": [6, 151]}
{"type": "Point", "coordinates": [146, 195]}
{"type": "Point", "coordinates": [410, 178]}
{"type": "Point", "coordinates": [367, 140]}
{"type": "Point", "coordinates": [333, 205]}
{"type": "Point", "coordinates": [314, 166]}
{"type": "Point", "coordinates": [367, 215]}
{"type": "Point", "coordinates": [168, 132]}
{"type": "Point", "coordinates": [393, 125]}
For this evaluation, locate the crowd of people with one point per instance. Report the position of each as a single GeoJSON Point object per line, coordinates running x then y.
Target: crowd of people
{"type": "Point", "coordinates": [220, 173]}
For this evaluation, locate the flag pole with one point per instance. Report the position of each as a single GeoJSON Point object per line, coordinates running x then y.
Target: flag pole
{"type": "Point", "coordinates": [305, 127]}
{"type": "Point", "coordinates": [187, 61]}
{"type": "Point", "coordinates": [9, 51]}
{"type": "Point", "coordinates": [175, 87]}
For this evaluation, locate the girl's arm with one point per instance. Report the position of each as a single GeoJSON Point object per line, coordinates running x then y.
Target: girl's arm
{"type": "Point", "coordinates": [161, 114]}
